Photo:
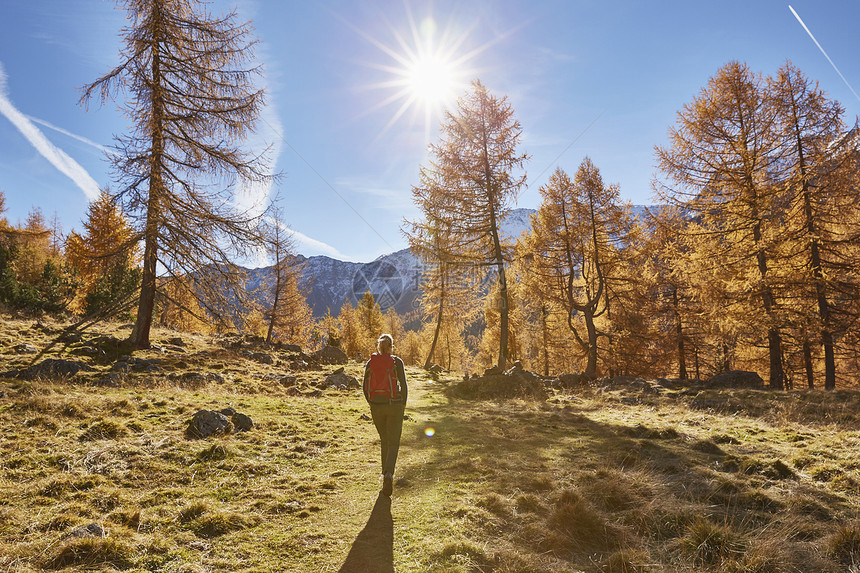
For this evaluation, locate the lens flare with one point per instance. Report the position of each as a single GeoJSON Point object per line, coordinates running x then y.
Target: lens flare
{"type": "Point", "coordinates": [429, 432]}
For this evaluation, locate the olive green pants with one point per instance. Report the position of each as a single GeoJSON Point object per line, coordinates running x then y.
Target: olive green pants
{"type": "Point", "coordinates": [388, 419]}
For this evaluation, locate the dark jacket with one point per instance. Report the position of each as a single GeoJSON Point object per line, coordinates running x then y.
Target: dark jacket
{"type": "Point", "coordinates": [399, 371]}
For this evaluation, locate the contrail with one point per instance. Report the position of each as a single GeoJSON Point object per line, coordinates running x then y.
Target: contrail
{"type": "Point", "coordinates": [80, 138]}
{"type": "Point", "coordinates": [56, 156]}
{"type": "Point", "coordinates": [796, 15]}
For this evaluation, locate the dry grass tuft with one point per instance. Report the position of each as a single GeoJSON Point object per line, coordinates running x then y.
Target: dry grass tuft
{"type": "Point", "coordinates": [93, 552]}
{"type": "Point", "coordinates": [627, 561]}
{"type": "Point", "coordinates": [575, 526]}
{"type": "Point", "coordinates": [215, 453]}
{"type": "Point", "coordinates": [844, 544]}
{"type": "Point", "coordinates": [708, 543]}
{"type": "Point", "coordinates": [103, 430]}
{"type": "Point", "coordinates": [219, 523]}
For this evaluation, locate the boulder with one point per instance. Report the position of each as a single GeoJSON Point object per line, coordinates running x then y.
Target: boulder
{"type": "Point", "coordinates": [71, 337]}
{"type": "Point", "coordinates": [87, 351]}
{"type": "Point", "coordinates": [436, 369]}
{"type": "Point", "coordinates": [196, 379]}
{"type": "Point", "coordinates": [241, 422]}
{"type": "Point", "coordinates": [515, 369]}
{"type": "Point", "coordinates": [522, 384]}
{"type": "Point", "coordinates": [330, 355]}
{"type": "Point", "coordinates": [131, 363]}
{"type": "Point", "coordinates": [572, 380]}
{"type": "Point", "coordinates": [206, 423]}
{"type": "Point", "coordinates": [493, 371]}
{"type": "Point", "coordinates": [25, 348]}
{"type": "Point", "coordinates": [262, 358]}
{"type": "Point", "coordinates": [291, 348]}
{"type": "Point", "coordinates": [112, 380]}
{"type": "Point", "coordinates": [110, 344]}
{"type": "Point", "coordinates": [341, 380]}
{"type": "Point", "coordinates": [631, 383]}
{"type": "Point", "coordinates": [93, 529]}
{"type": "Point", "coordinates": [53, 368]}
{"type": "Point", "coordinates": [736, 379]}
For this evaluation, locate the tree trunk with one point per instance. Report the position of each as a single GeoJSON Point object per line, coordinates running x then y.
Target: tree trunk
{"type": "Point", "coordinates": [829, 360]}
{"type": "Point", "coordinates": [696, 361]}
{"type": "Point", "coordinates": [774, 339]}
{"type": "Point", "coordinates": [545, 328]}
{"type": "Point", "coordinates": [591, 365]}
{"type": "Point", "coordinates": [143, 324]}
{"type": "Point", "coordinates": [503, 290]}
{"type": "Point", "coordinates": [820, 295]}
{"type": "Point", "coordinates": [276, 301]}
{"type": "Point", "coordinates": [428, 362]}
{"type": "Point", "coordinates": [807, 362]}
{"type": "Point", "coordinates": [679, 331]}
{"type": "Point", "coordinates": [815, 263]}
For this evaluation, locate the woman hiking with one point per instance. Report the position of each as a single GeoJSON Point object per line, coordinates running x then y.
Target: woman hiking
{"type": "Point", "coordinates": [386, 392]}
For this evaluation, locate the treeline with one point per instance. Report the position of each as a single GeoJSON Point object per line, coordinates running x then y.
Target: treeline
{"type": "Point", "coordinates": [96, 274]}
{"type": "Point", "coordinates": [750, 262]}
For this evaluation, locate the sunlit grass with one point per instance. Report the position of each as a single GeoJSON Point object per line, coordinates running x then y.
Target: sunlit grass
{"type": "Point", "coordinates": [588, 481]}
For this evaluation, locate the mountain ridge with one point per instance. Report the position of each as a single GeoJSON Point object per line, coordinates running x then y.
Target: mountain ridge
{"type": "Point", "coordinates": [394, 279]}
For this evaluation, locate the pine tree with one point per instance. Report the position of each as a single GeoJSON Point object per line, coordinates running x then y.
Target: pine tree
{"type": "Point", "coordinates": [34, 247]}
{"type": "Point", "coordinates": [469, 184]}
{"type": "Point", "coordinates": [393, 324]}
{"type": "Point", "coordinates": [192, 103]}
{"type": "Point", "coordinates": [571, 247]}
{"type": "Point", "coordinates": [721, 162]}
{"type": "Point", "coordinates": [289, 314]}
{"type": "Point", "coordinates": [812, 165]}
{"type": "Point", "coordinates": [352, 339]}
{"type": "Point", "coordinates": [446, 293]}
{"type": "Point", "coordinates": [329, 330]}
{"type": "Point", "coordinates": [105, 257]}
{"type": "Point", "coordinates": [669, 301]}
{"type": "Point", "coordinates": [180, 309]}
{"type": "Point", "coordinates": [370, 320]}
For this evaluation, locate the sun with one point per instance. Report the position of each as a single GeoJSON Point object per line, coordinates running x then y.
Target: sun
{"type": "Point", "coordinates": [431, 80]}
{"type": "Point", "coordinates": [428, 68]}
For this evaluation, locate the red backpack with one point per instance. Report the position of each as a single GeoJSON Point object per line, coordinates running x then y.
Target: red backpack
{"type": "Point", "coordinates": [382, 382]}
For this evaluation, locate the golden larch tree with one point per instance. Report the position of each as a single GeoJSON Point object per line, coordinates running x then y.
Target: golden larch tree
{"type": "Point", "coordinates": [572, 244]}
{"type": "Point", "coordinates": [192, 103]}
{"type": "Point", "coordinates": [720, 167]}
{"type": "Point", "coordinates": [467, 187]}
{"type": "Point", "coordinates": [107, 248]}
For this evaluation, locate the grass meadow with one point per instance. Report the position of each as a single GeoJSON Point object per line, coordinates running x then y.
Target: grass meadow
{"type": "Point", "coordinates": [618, 478]}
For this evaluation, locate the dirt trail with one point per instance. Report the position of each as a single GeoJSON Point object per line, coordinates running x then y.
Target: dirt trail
{"type": "Point", "coordinates": [379, 529]}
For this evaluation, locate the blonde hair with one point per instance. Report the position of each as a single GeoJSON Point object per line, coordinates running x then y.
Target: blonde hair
{"type": "Point", "coordinates": [385, 344]}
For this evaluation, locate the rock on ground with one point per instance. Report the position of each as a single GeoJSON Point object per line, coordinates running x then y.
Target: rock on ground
{"type": "Point", "coordinates": [736, 379]}
{"type": "Point", "coordinates": [330, 355]}
{"type": "Point", "coordinates": [206, 423]}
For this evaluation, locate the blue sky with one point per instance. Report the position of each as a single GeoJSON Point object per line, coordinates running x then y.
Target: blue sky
{"type": "Point", "coordinates": [599, 78]}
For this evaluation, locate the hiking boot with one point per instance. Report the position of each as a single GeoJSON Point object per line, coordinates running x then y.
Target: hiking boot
{"type": "Point", "coordinates": [387, 485]}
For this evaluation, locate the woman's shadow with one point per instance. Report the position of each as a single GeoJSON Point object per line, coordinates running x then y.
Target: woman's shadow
{"type": "Point", "coordinates": [373, 549]}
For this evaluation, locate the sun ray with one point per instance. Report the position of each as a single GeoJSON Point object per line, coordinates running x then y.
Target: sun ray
{"type": "Point", "coordinates": [430, 65]}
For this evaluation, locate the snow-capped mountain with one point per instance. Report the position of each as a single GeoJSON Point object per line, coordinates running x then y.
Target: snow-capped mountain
{"type": "Point", "coordinates": [393, 279]}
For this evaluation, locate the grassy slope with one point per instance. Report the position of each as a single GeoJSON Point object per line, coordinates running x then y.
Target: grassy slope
{"type": "Point", "coordinates": [586, 481]}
